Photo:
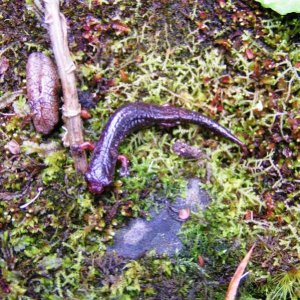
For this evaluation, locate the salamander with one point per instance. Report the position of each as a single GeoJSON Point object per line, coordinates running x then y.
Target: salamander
{"type": "Point", "coordinates": [132, 117]}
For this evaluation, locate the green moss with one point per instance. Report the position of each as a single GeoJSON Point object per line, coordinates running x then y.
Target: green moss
{"type": "Point", "coordinates": [54, 248]}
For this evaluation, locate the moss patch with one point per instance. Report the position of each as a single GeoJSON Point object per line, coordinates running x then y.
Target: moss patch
{"type": "Point", "coordinates": [235, 63]}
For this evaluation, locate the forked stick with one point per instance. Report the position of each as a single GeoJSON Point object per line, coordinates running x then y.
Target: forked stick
{"type": "Point", "coordinates": [57, 29]}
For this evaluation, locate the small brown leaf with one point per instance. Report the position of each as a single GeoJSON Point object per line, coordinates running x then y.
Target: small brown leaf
{"type": "Point", "coordinates": [201, 261]}
{"type": "Point", "coordinates": [235, 280]}
{"type": "Point", "coordinates": [248, 215]}
{"type": "Point", "coordinates": [124, 76]}
{"type": "Point", "coordinates": [97, 77]}
{"type": "Point", "coordinates": [269, 201]}
{"type": "Point", "coordinates": [202, 26]}
{"type": "Point", "coordinates": [256, 70]}
{"type": "Point", "coordinates": [13, 147]}
{"type": "Point", "coordinates": [184, 213]}
{"type": "Point", "coordinates": [202, 14]}
{"type": "Point", "coordinates": [268, 64]}
{"type": "Point", "coordinates": [226, 79]}
{"type": "Point", "coordinates": [249, 53]}
{"type": "Point", "coordinates": [85, 114]}
{"type": "Point", "coordinates": [224, 43]}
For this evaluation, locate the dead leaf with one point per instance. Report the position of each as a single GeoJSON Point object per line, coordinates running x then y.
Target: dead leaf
{"type": "Point", "coordinates": [13, 147]}
{"type": "Point", "coordinates": [248, 215]}
{"type": "Point", "coordinates": [249, 53]}
{"type": "Point", "coordinates": [85, 114]}
{"type": "Point", "coordinates": [201, 261]}
{"type": "Point", "coordinates": [235, 280]}
{"type": "Point", "coordinates": [124, 76]}
{"type": "Point", "coordinates": [184, 213]}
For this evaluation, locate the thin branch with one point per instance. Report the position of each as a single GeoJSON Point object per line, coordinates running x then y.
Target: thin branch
{"type": "Point", "coordinates": [40, 189]}
{"type": "Point", "coordinates": [57, 29]}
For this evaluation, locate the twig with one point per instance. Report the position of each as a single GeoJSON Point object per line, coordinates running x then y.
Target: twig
{"type": "Point", "coordinates": [33, 199]}
{"type": "Point", "coordinates": [57, 29]}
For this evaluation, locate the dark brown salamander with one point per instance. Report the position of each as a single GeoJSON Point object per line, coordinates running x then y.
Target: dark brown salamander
{"type": "Point", "coordinates": [132, 117]}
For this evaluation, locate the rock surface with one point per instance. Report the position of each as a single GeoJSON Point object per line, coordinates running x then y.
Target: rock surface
{"type": "Point", "coordinates": [160, 233]}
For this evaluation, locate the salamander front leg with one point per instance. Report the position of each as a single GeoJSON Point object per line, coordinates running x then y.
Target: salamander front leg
{"type": "Point", "coordinates": [83, 147]}
{"type": "Point", "coordinates": [90, 146]}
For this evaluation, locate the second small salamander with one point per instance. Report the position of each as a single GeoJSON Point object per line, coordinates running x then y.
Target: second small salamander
{"type": "Point", "coordinates": [132, 117]}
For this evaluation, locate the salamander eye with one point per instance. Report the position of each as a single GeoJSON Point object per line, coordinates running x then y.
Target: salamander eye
{"type": "Point", "coordinates": [88, 177]}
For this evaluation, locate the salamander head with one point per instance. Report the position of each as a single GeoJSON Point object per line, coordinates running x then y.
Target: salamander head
{"type": "Point", "coordinates": [94, 186]}
{"type": "Point", "coordinates": [96, 181]}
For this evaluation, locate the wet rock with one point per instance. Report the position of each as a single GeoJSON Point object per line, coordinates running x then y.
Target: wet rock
{"type": "Point", "coordinates": [197, 198]}
{"type": "Point", "coordinates": [160, 233]}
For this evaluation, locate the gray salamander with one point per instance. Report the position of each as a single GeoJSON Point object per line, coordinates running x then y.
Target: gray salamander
{"type": "Point", "coordinates": [132, 117]}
